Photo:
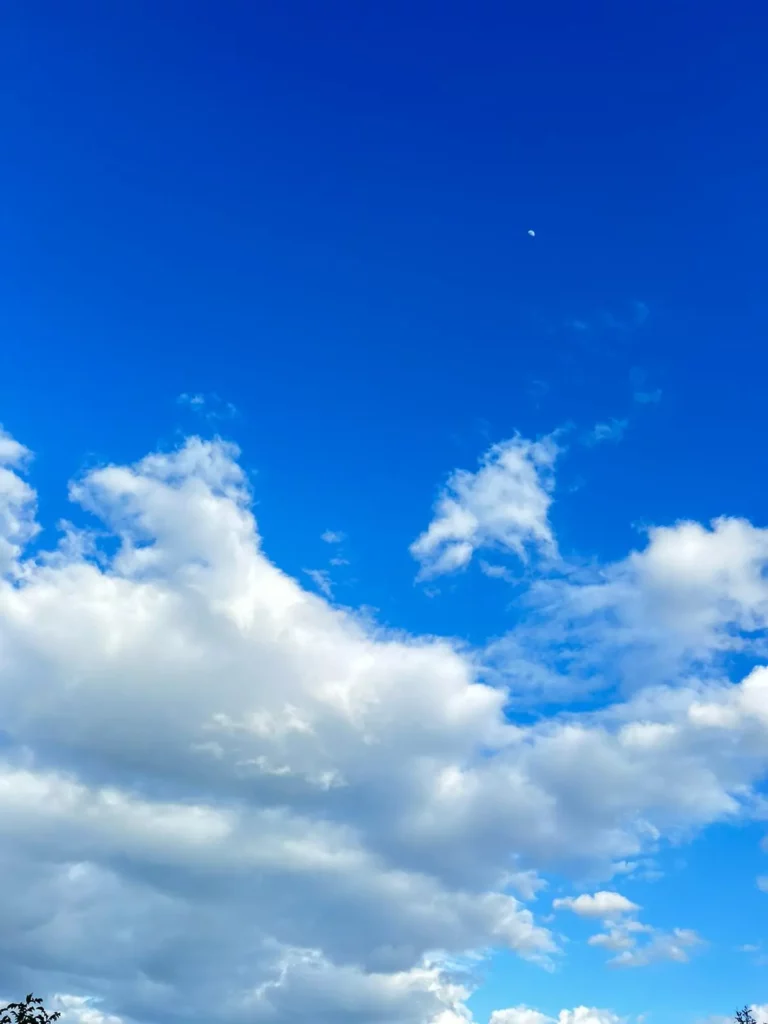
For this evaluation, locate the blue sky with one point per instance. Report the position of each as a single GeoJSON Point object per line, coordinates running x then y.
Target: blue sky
{"type": "Point", "coordinates": [415, 574]}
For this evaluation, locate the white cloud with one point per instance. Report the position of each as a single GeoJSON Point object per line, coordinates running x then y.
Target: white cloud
{"type": "Point", "coordinates": [81, 1010]}
{"type": "Point", "coordinates": [691, 596]}
{"type": "Point", "coordinates": [622, 938]}
{"type": "Point", "coordinates": [762, 883]}
{"type": "Point", "coordinates": [332, 537]}
{"type": "Point", "coordinates": [195, 735]}
{"type": "Point", "coordinates": [196, 401]}
{"type": "Point", "coordinates": [663, 946]}
{"type": "Point", "coordinates": [587, 1015]}
{"type": "Point", "coordinates": [520, 1015]}
{"type": "Point", "coordinates": [578, 1015]}
{"type": "Point", "coordinates": [504, 505]}
{"type": "Point", "coordinates": [495, 572]}
{"type": "Point", "coordinates": [216, 789]}
{"type": "Point", "coordinates": [612, 430]}
{"type": "Point", "coordinates": [17, 503]}
{"type": "Point", "coordinates": [603, 904]}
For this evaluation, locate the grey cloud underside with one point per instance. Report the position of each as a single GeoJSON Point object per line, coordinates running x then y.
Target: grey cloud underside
{"type": "Point", "coordinates": [218, 790]}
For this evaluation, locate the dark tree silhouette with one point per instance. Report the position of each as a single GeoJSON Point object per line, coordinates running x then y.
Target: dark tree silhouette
{"type": "Point", "coordinates": [743, 1016]}
{"type": "Point", "coordinates": [31, 1011]}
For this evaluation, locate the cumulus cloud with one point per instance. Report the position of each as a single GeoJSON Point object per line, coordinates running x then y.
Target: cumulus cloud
{"type": "Point", "coordinates": [602, 904]}
{"type": "Point", "coordinates": [578, 1015]}
{"type": "Point", "coordinates": [195, 736]}
{"type": "Point", "coordinates": [17, 503]}
{"type": "Point", "coordinates": [503, 505]}
{"type": "Point", "coordinates": [677, 607]}
{"type": "Point", "coordinates": [218, 790]}
{"type": "Point", "coordinates": [623, 931]}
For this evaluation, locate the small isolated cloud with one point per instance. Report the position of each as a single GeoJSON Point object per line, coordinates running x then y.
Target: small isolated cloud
{"type": "Point", "coordinates": [611, 430]}
{"type": "Point", "coordinates": [332, 537]}
{"type": "Point", "coordinates": [762, 883]}
{"type": "Point", "coordinates": [210, 406]}
{"type": "Point", "coordinates": [495, 572]}
{"type": "Point", "coordinates": [601, 905]}
{"type": "Point", "coordinates": [193, 401]}
{"type": "Point", "coordinates": [648, 397]}
{"type": "Point", "coordinates": [607, 321]}
{"type": "Point", "coordinates": [503, 505]}
{"type": "Point", "coordinates": [641, 392]}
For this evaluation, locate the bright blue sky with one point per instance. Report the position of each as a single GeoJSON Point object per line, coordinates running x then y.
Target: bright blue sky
{"type": "Point", "coordinates": [316, 217]}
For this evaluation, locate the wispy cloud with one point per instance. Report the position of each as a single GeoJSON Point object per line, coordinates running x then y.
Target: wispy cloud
{"type": "Point", "coordinates": [610, 430]}
{"type": "Point", "coordinates": [322, 580]}
{"type": "Point", "coordinates": [209, 406]}
{"type": "Point", "coordinates": [610, 321]}
{"type": "Point", "coordinates": [675, 945]}
{"type": "Point", "coordinates": [332, 537]}
{"type": "Point", "coordinates": [648, 397]}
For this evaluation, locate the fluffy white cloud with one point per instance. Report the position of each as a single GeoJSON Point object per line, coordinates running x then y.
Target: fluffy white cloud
{"type": "Point", "coordinates": [504, 505]}
{"type": "Point", "coordinates": [17, 503]}
{"type": "Point", "coordinates": [578, 1015]}
{"type": "Point", "coordinates": [623, 931]}
{"type": "Point", "coordinates": [602, 904]}
{"type": "Point", "coordinates": [520, 1015]}
{"type": "Point", "coordinates": [218, 791]}
{"type": "Point", "coordinates": [691, 596]}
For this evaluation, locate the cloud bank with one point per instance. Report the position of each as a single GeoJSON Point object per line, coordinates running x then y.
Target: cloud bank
{"type": "Point", "coordinates": [219, 791]}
